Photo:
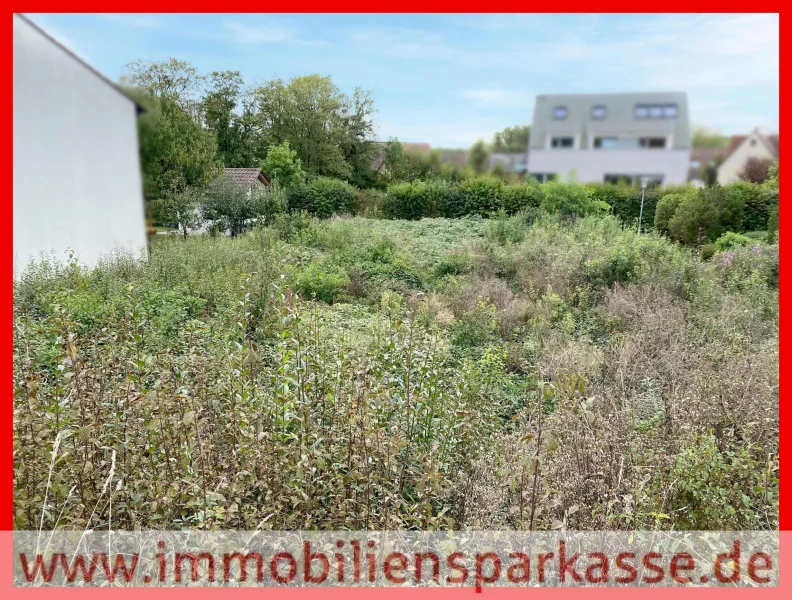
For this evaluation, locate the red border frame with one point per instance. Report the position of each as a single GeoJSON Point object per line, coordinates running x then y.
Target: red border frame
{"type": "Point", "coordinates": [351, 6]}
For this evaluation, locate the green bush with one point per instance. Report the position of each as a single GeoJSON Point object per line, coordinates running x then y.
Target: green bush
{"type": "Point", "coordinates": [665, 211]}
{"type": "Point", "coordinates": [697, 217]}
{"type": "Point", "coordinates": [370, 204]}
{"type": "Point", "coordinates": [454, 263]}
{"type": "Point", "coordinates": [407, 200]}
{"type": "Point", "coordinates": [707, 251]}
{"type": "Point", "coordinates": [323, 281]}
{"type": "Point", "coordinates": [505, 230]}
{"type": "Point", "coordinates": [522, 196]}
{"type": "Point", "coordinates": [323, 197]}
{"type": "Point", "coordinates": [756, 201]}
{"type": "Point", "coordinates": [772, 225]}
{"type": "Point", "coordinates": [731, 240]}
{"type": "Point", "coordinates": [482, 195]}
{"type": "Point", "coordinates": [570, 199]}
{"type": "Point", "coordinates": [443, 199]}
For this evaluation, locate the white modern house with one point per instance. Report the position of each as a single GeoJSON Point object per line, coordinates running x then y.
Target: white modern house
{"type": "Point", "coordinates": [610, 137]}
{"type": "Point", "coordinates": [77, 179]}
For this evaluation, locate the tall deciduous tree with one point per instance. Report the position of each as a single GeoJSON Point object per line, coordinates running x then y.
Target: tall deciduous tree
{"type": "Point", "coordinates": [176, 152]}
{"type": "Point", "coordinates": [228, 112]}
{"type": "Point", "coordinates": [704, 137]}
{"type": "Point", "coordinates": [283, 167]}
{"type": "Point", "coordinates": [512, 139]}
{"type": "Point", "coordinates": [327, 128]}
{"type": "Point", "coordinates": [478, 157]}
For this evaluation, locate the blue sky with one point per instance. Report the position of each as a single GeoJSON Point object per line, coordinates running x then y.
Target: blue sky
{"type": "Point", "coordinates": [451, 79]}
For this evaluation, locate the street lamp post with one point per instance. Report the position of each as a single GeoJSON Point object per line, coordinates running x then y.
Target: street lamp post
{"type": "Point", "coordinates": [644, 183]}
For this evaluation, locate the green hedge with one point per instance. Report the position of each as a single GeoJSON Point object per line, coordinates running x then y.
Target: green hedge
{"type": "Point", "coordinates": [323, 197]}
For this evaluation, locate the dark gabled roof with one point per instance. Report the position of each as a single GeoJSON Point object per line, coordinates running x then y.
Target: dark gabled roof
{"type": "Point", "coordinates": [115, 86]}
{"type": "Point", "coordinates": [246, 177]}
{"type": "Point", "coordinates": [771, 141]}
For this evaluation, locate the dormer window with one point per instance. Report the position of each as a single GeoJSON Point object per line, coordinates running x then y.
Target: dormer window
{"type": "Point", "coordinates": [559, 113]}
{"type": "Point", "coordinates": [598, 112]}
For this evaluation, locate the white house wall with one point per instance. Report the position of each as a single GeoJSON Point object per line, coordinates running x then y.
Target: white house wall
{"type": "Point", "coordinates": [77, 181]}
{"type": "Point", "coordinates": [593, 165]}
{"type": "Point", "coordinates": [734, 163]}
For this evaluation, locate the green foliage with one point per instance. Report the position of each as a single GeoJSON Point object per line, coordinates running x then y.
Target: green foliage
{"type": "Point", "coordinates": [180, 209]}
{"type": "Point", "coordinates": [174, 149]}
{"type": "Point", "coordinates": [707, 251]}
{"type": "Point", "coordinates": [228, 113]}
{"type": "Point", "coordinates": [772, 225]}
{"type": "Point", "coordinates": [325, 127]}
{"type": "Point", "coordinates": [665, 211]}
{"type": "Point", "coordinates": [478, 157]}
{"type": "Point", "coordinates": [482, 195]}
{"type": "Point", "coordinates": [322, 281]}
{"type": "Point", "coordinates": [323, 197]}
{"type": "Point", "coordinates": [570, 199]}
{"type": "Point", "coordinates": [706, 138]}
{"type": "Point", "coordinates": [715, 488]}
{"type": "Point", "coordinates": [512, 139]}
{"type": "Point", "coordinates": [407, 200]}
{"type": "Point", "coordinates": [756, 202]}
{"type": "Point", "coordinates": [233, 207]}
{"type": "Point", "coordinates": [282, 166]}
{"type": "Point", "coordinates": [731, 240]}
{"type": "Point", "coordinates": [521, 197]}
{"type": "Point", "coordinates": [408, 394]}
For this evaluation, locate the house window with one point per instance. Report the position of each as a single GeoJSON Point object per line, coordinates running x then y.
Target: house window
{"type": "Point", "coordinates": [656, 111]}
{"type": "Point", "coordinates": [543, 177]}
{"type": "Point", "coordinates": [618, 178]}
{"type": "Point", "coordinates": [598, 112]}
{"type": "Point", "coordinates": [560, 113]}
{"type": "Point", "coordinates": [606, 143]}
{"type": "Point", "coordinates": [562, 142]}
{"type": "Point", "coordinates": [652, 142]}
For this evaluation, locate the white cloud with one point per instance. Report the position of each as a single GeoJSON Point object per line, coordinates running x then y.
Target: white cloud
{"type": "Point", "coordinates": [268, 35]}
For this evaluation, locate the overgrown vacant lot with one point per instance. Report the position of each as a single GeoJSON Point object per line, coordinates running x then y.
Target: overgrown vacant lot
{"type": "Point", "coordinates": [357, 373]}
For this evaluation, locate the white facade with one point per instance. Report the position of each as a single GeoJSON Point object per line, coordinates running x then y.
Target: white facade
{"type": "Point", "coordinates": [753, 146]}
{"type": "Point", "coordinates": [610, 137]}
{"type": "Point", "coordinates": [77, 179]}
{"type": "Point", "coordinates": [668, 166]}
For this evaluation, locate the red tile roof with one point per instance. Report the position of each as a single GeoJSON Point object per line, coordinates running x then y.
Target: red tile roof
{"type": "Point", "coordinates": [246, 177]}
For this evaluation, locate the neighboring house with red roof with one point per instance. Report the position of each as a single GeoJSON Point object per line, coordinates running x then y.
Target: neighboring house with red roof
{"type": "Point", "coordinates": [741, 149]}
{"type": "Point", "coordinates": [247, 177]}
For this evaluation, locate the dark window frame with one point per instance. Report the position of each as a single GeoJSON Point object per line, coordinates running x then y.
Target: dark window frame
{"type": "Point", "coordinates": [559, 146]}
{"type": "Point", "coordinates": [603, 137]}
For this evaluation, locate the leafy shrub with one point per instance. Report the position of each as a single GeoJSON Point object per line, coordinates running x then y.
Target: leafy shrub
{"type": "Point", "coordinates": [407, 200]}
{"type": "Point", "coordinates": [443, 199]}
{"type": "Point", "coordinates": [756, 201]}
{"type": "Point", "coordinates": [504, 230]}
{"type": "Point", "coordinates": [323, 281]}
{"type": "Point", "coordinates": [454, 263]}
{"type": "Point", "coordinates": [482, 195]}
{"type": "Point", "coordinates": [707, 251]}
{"type": "Point", "coordinates": [772, 225]}
{"type": "Point", "coordinates": [369, 203]}
{"type": "Point", "coordinates": [521, 197]}
{"type": "Point", "coordinates": [570, 199]}
{"type": "Point", "coordinates": [731, 240]}
{"type": "Point", "coordinates": [714, 488]}
{"type": "Point", "coordinates": [665, 211]}
{"type": "Point", "coordinates": [323, 197]}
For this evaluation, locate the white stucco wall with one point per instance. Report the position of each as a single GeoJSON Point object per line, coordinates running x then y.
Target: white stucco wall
{"type": "Point", "coordinates": [77, 180]}
{"type": "Point", "coordinates": [751, 147]}
{"type": "Point", "coordinates": [593, 165]}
